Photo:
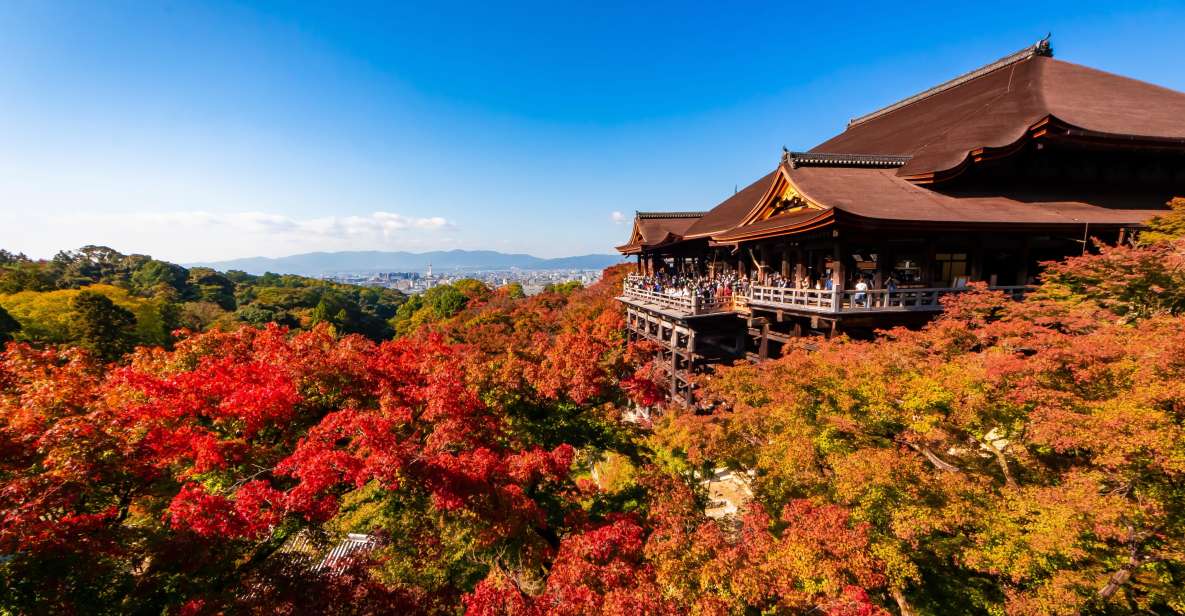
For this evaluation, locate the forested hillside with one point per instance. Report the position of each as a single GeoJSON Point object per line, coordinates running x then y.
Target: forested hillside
{"type": "Point", "coordinates": [1010, 458]}
{"type": "Point", "coordinates": [136, 299]}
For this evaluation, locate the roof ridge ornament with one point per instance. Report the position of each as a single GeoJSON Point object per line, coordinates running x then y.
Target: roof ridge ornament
{"type": "Point", "coordinates": [654, 215]}
{"type": "Point", "coordinates": [823, 159]}
{"type": "Point", "coordinates": [1040, 48]}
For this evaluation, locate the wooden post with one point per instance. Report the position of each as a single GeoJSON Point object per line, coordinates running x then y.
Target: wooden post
{"type": "Point", "coordinates": [674, 370]}
{"type": "Point", "coordinates": [763, 263]}
{"type": "Point", "coordinates": [927, 264]}
{"type": "Point", "coordinates": [1025, 253]}
{"type": "Point", "coordinates": [976, 257]}
{"type": "Point", "coordinates": [837, 273]}
{"type": "Point", "coordinates": [882, 266]}
{"type": "Point", "coordinates": [800, 266]}
{"type": "Point", "coordinates": [763, 347]}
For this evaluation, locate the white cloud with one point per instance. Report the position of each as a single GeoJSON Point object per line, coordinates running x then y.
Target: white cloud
{"type": "Point", "coordinates": [617, 218]}
{"type": "Point", "coordinates": [377, 224]}
{"type": "Point", "coordinates": [202, 235]}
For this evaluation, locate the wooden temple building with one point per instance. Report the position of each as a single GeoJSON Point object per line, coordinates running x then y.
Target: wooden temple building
{"type": "Point", "coordinates": [980, 178]}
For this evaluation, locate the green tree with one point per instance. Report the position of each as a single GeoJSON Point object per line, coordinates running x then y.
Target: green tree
{"type": "Point", "coordinates": [103, 327]}
{"type": "Point", "coordinates": [8, 325]}
{"type": "Point", "coordinates": [563, 288]}
{"type": "Point", "coordinates": [1168, 226]}
{"type": "Point", "coordinates": [11, 257]}
{"type": "Point", "coordinates": [332, 308]}
{"type": "Point", "coordinates": [515, 290]}
{"type": "Point", "coordinates": [153, 273]}
{"type": "Point", "coordinates": [24, 275]}
{"type": "Point", "coordinates": [445, 301]}
{"type": "Point", "coordinates": [213, 287]}
{"type": "Point", "coordinates": [48, 316]}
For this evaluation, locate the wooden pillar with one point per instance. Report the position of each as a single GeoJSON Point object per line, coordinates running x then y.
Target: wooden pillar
{"type": "Point", "coordinates": [837, 273]}
{"type": "Point", "coordinates": [800, 266]}
{"type": "Point", "coordinates": [1026, 251]}
{"type": "Point", "coordinates": [762, 264]}
{"type": "Point", "coordinates": [975, 267]}
{"type": "Point", "coordinates": [884, 264]}
{"type": "Point", "coordinates": [674, 369]}
{"type": "Point", "coordinates": [763, 347]}
{"type": "Point", "coordinates": [927, 264]}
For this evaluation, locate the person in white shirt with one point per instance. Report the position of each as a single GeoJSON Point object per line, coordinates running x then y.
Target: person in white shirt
{"type": "Point", "coordinates": [861, 296]}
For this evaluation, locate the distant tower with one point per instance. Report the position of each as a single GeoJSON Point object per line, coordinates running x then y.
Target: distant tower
{"type": "Point", "coordinates": [429, 274]}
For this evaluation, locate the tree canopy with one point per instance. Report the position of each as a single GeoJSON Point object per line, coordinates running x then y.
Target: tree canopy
{"type": "Point", "coordinates": [1020, 458]}
{"type": "Point", "coordinates": [165, 296]}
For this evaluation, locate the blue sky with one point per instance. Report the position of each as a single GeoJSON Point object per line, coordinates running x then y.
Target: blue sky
{"type": "Point", "coordinates": [220, 130]}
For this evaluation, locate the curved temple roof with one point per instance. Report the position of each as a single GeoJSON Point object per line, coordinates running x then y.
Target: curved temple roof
{"type": "Point", "coordinates": [872, 173]}
{"type": "Point", "coordinates": [998, 105]}
{"type": "Point", "coordinates": [653, 229]}
{"type": "Point", "coordinates": [733, 210]}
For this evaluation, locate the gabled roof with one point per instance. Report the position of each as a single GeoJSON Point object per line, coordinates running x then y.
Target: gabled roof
{"type": "Point", "coordinates": [872, 172]}
{"type": "Point", "coordinates": [652, 229]}
{"type": "Point", "coordinates": [733, 210]}
{"type": "Point", "coordinates": [881, 194]}
{"type": "Point", "coordinates": [777, 225]}
{"type": "Point", "coordinates": [998, 105]}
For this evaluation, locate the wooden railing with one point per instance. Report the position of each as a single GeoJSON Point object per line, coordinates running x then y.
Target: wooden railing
{"type": "Point", "coordinates": [872, 300]}
{"type": "Point", "coordinates": [664, 300]}
{"type": "Point", "coordinates": [810, 300]}
{"type": "Point", "coordinates": [686, 304]}
{"type": "Point", "coordinates": [803, 299]}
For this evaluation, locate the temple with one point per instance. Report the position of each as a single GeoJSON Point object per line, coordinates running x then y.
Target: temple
{"type": "Point", "coordinates": [978, 179]}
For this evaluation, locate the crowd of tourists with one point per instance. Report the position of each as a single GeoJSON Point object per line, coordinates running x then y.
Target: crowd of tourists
{"type": "Point", "coordinates": [720, 286]}
{"type": "Point", "coordinates": [727, 284]}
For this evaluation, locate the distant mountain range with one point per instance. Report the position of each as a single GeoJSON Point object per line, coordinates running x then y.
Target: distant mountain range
{"type": "Point", "coordinates": [317, 263]}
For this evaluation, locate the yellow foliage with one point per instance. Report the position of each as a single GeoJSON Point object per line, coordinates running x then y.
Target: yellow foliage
{"type": "Point", "coordinates": [46, 316]}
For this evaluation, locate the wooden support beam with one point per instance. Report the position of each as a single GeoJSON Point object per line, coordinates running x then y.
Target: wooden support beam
{"type": "Point", "coordinates": [1025, 253]}
{"type": "Point", "coordinates": [837, 273]}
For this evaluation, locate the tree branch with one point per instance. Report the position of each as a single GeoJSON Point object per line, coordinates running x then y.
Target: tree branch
{"type": "Point", "coordinates": [933, 458]}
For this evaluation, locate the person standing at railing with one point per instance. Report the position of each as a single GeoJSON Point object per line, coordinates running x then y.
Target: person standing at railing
{"type": "Point", "coordinates": [861, 296]}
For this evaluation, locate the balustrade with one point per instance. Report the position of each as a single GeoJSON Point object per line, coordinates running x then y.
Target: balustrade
{"type": "Point", "coordinates": [810, 300]}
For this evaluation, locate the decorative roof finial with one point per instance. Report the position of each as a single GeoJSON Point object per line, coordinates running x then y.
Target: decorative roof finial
{"type": "Point", "coordinates": [1043, 48]}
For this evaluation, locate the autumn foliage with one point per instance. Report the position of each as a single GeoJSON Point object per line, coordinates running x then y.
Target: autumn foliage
{"type": "Point", "coordinates": [1016, 458]}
